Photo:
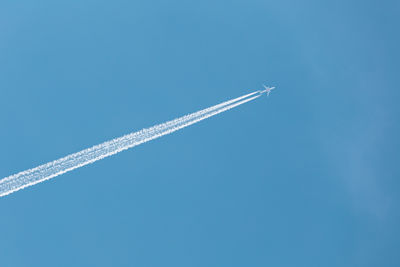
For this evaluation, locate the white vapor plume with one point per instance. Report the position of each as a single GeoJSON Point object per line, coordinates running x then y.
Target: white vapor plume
{"type": "Point", "coordinates": [60, 166]}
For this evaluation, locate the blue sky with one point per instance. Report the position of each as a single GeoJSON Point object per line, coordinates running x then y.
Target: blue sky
{"type": "Point", "coordinates": [306, 177]}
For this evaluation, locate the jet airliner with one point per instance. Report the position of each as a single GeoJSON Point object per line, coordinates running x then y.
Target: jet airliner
{"type": "Point", "coordinates": [267, 89]}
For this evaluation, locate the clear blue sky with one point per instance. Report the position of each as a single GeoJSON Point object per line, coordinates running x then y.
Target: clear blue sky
{"type": "Point", "coordinates": [306, 177]}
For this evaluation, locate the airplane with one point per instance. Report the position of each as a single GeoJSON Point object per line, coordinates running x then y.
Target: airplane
{"type": "Point", "coordinates": [267, 89]}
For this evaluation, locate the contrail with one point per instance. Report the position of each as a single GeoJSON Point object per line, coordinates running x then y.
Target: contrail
{"type": "Point", "coordinates": [60, 166]}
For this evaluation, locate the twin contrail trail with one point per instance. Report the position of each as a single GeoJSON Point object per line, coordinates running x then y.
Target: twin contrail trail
{"type": "Point", "coordinates": [60, 166]}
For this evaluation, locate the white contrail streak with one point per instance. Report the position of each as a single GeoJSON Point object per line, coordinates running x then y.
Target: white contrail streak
{"type": "Point", "coordinates": [52, 169]}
